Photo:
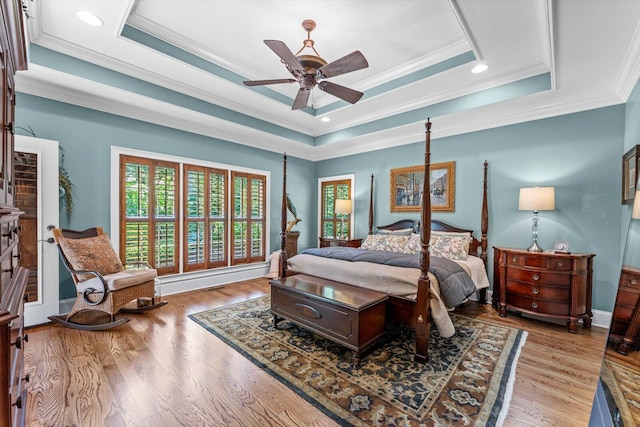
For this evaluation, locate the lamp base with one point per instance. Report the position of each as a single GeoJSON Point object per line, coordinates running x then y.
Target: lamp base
{"type": "Point", "coordinates": [535, 248]}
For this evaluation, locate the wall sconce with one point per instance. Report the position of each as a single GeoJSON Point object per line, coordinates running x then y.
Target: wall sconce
{"type": "Point", "coordinates": [343, 207]}
{"type": "Point", "coordinates": [536, 199]}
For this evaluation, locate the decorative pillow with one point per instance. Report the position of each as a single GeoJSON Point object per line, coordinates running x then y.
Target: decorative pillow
{"type": "Point", "coordinates": [452, 247]}
{"type": "Point", "coordinates": [91, 253]}
{"type": "Point", "coordinates": [387, 242]}
{"type": "Point", "coordinates": [400, 232]}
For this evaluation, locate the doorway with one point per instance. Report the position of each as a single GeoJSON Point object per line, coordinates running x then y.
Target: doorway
{"type": "Point", "coordinates": [36, 194]}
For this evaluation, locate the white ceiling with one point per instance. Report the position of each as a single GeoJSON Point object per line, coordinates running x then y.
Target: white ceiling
{"type": "Point", "coordinates": [591, 48]}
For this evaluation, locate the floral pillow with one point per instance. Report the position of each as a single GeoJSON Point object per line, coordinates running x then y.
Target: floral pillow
{"type": "Point", "coordinates": [91, 253]}
{"type": "Point", "coordinates": [455, 247]}
{"type": "Point", "coordinates": [387, 242]}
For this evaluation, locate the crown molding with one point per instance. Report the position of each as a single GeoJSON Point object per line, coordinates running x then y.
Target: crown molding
{"type": "Point", "coordinates": [630, 70]}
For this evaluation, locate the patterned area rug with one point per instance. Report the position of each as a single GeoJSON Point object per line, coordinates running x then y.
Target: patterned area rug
{"type": "Point", "coordinates": [623, 395]}
{"type": "Point", "coordinates": [467, 381]}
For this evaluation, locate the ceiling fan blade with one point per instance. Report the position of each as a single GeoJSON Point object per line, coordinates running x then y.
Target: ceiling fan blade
{"type": "Point", "coordinates": [349, 95]}
{"type": "Point", "coordinates": [267, 82]}
{"type": "Point", "coordinates": [286, 55]}
{"type": "Point", "coordinates": [301, 99]}
{"type": "Point", "coordinates": [352, 62]}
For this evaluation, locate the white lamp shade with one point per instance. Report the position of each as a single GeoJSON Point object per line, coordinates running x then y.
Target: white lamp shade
{"type": "Point", "coordinates": [343, 206]}
{"type": "Point", "coordinates": [635, 213]}
{"type": "Point", "coordinates": [537, 199]}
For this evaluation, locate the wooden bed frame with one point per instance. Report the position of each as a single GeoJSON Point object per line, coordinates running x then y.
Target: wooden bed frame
{"type": "Point", "coordinates": [415, 313]}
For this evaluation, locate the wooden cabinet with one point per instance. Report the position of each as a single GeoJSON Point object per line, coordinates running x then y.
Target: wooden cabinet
{"type": "Point", "coordinates": [625, 324]}
{"type": "Point", "coordinates": [13, 278]}
{"type": "Point", "coordinates": [351, 243]}
{"type": "Point", "coordinates": [292, 243]}
{"type": "Point", "coordinates": [544, 284]}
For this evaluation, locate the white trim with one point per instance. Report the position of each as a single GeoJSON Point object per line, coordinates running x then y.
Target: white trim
{"type": "Point", "coordinates": [209, 279]}
{"type": "Point", "coordinates": [352, 178]}
{"type": "Point", "coordinates": [116, 151]}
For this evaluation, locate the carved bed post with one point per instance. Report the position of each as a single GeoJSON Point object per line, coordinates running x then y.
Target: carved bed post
{"type": "Point", "coordinates": [484, 228]}
{"type": "Point", "coordinates": [282, 267]}
{"type": "Point", "coordinates": [424, 285]}
{"type": "Point", "coordinates": [371, 207]}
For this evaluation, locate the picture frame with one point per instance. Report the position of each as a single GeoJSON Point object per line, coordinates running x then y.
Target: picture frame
{"type": "Point", "coordinates": [630, 165]}
{"type": "Point", "coordinates": [561, 247]}
{"type": "Point", "coordinates": [406, 188]}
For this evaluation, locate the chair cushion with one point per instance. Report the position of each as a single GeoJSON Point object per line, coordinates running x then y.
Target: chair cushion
{"type": "Point", "coordinates": [119, 280]}
{"type": "Point", "coordinates": [91, 253]}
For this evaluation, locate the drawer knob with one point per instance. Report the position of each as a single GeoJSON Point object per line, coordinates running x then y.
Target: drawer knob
{"type": "Point", "coordinates": [514, 259]}
{"type": "Point", "coordinates": [559, 264]}
{"type": "Point", "coordinates": [535, 291]}
{"type": "Point", "coordinates": [18, 403]}
{"type": "Point", "coordinates": [634, 281]}
{"type": "Point", "coordinates": [535, 277]}
{"type": "Point", "coordinates": [534, 305]}
{"type": "Point", "coordinates": [27, 378]}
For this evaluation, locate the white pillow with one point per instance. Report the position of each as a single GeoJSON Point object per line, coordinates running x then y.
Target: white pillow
{"type": "Point", "coordinates": [400, 232]}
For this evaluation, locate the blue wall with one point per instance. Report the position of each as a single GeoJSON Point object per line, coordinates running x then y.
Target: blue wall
{"type": "Point", "coordinates": [579, 154]}
{"type": "Point", "coordinates": [87, 136]}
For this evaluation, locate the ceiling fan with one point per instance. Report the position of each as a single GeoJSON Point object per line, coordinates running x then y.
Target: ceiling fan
{"type": "Point", "coordinates": [311, 70]}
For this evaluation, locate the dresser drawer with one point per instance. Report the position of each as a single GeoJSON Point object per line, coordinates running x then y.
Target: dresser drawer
{"type": "Point", "coordinates": [629, 280]}
{"type": "Point", "coordinates": [537, 305]}
{"type": "Point", "coordinates": [539, 291]}
{"type": "Point", "coordinates": [538, 261]}
{"type": "Point", "coordinates": [529, 276]}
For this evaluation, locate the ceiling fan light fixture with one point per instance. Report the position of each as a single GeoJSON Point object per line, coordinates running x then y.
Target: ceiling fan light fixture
{"type": "Point", "coordinates": [480, 68]}
{"type": "Point", "coordinates": [90, 18]}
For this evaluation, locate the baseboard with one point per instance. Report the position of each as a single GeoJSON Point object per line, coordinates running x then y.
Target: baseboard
{"type": "Point", "coordinates": [177, 283]}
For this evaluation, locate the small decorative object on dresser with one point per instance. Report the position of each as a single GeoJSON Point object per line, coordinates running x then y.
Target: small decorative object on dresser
{"type": "Point", "coordinates": [625, 324]}
{"type": "Point", "coordinates": [351, 243]}
{"type": "Point", "coordinates": [544, 284]}
{"type": "Point", "coordinates": [561, 247]}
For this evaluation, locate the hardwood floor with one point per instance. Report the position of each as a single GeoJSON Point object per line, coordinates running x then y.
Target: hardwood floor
{"type": "Point", "coordinates": [162, 369]}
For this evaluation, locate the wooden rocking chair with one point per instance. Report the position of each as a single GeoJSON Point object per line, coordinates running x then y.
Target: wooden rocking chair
{"type": "Point", "coordinates": [102, 281]}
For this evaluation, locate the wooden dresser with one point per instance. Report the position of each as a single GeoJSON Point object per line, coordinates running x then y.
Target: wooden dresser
{"type": "Point", "coordinates": [13, 278]}
{"type": "Point", "coordinates": [625, 325]}
{"type": "Point", "coordinates": [351, 243]}
{"type": "Point", "coordinates": [544, 284]}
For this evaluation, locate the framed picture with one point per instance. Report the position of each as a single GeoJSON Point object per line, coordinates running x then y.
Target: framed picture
{"type": "Point", "coordinates": [630, 164]}
{"type": "Point", "coordinates": [406, 188]}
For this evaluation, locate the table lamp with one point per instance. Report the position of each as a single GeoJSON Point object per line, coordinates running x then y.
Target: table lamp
{"type": "Point", "coordinates": [343, 207]}
{"type": "Point", "coordinates": [536, 199]}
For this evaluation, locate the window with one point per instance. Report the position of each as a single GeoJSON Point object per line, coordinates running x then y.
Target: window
{"type": "Point", "coordinates": [248, 221]}
{"type": "Point", "coordinates": [331, 190]}
{"type": "Point", "coordinates": [148, 220]}
{"type": "Point", "coordinates": [205, 218]}
{"type": "Point", "coordinates": [223, 222]}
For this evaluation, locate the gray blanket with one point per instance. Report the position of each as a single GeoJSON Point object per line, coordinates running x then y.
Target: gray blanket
{"type": "Point", "coordinates": [455, 283]}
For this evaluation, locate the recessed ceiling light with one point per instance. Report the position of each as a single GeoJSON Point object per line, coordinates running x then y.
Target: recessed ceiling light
{"type": "Point", "coordinates": [90, 18]}
{"type": "Point", "coordinates": [479, 68]}
{"type": "Point", "coordinates": [325, 119]}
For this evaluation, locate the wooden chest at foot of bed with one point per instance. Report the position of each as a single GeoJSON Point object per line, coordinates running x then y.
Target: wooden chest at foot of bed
{"type": "Point", "coordinates": [348, 315]}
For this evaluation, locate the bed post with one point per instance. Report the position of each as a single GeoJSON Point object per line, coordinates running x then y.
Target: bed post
{"type": "Point", "coordinates": [424, 285]}
{"type": "Point", "coordinates": [282, 266]}
{"type": "Point", "coordinates": [371, 207]}
{"type": "Point", "coordinates": [484, 228]}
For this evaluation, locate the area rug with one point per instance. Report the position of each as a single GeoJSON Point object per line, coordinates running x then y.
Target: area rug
{"type": "Point", "coordinates": [620, 384]}
{"type": "Point", "coordinates": [467, 381]}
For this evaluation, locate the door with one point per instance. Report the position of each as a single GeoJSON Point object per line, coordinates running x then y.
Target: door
{"type": "Point", "coordinates": [38, 197]}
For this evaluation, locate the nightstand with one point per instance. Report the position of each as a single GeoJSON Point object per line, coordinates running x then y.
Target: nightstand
{"type": "Point", "coordinates": [351, 243]}
{"type": "Point", "coordinates": [545, 284]}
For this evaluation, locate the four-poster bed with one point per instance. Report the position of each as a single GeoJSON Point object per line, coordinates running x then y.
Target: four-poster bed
{"type": "Point", "coordinates": [413, 309]}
